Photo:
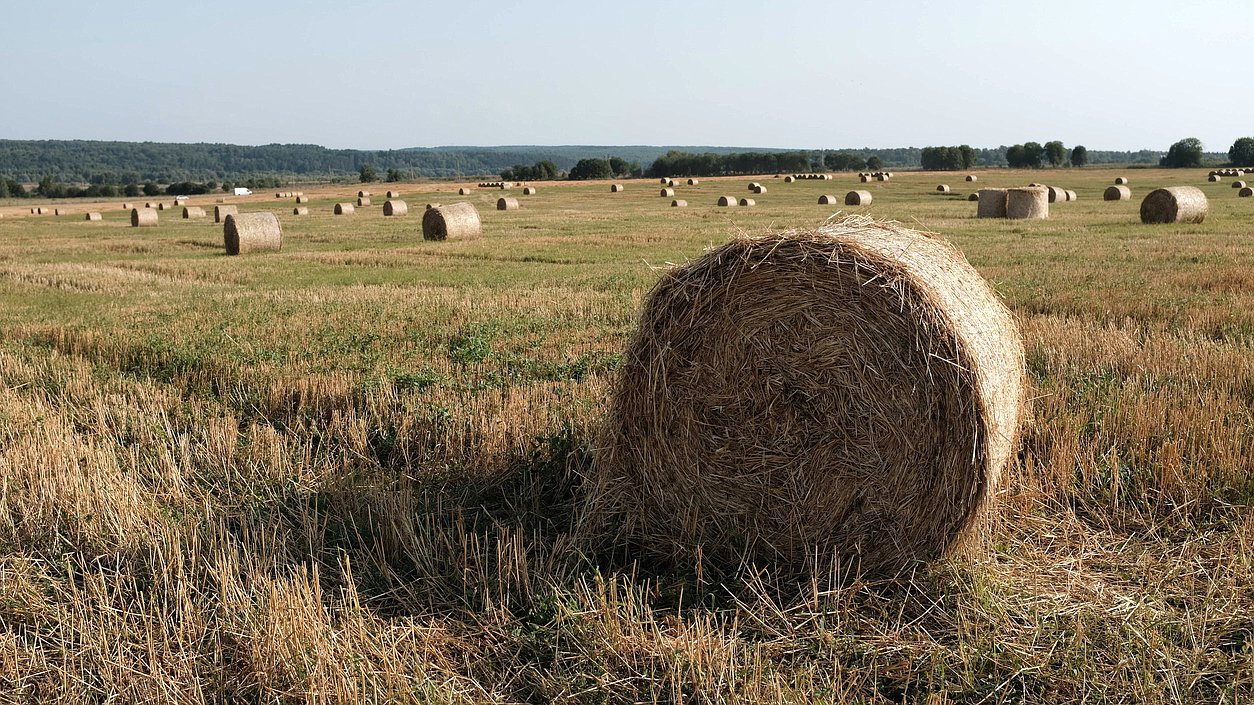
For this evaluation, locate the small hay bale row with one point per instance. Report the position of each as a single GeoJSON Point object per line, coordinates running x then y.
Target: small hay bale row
{"type": "Point", "coordinates": [394, 207]}
{"type": "Point", "coordinates": [1117, 193]}
{"type": "Point", "coordinates": [252, 232]}
{"type": "Point", "coordinates": [1175, 204]}
{"type": "Point", "coordinates": [93, 215]}
{"type": "Point", "coordinates": [1027, 203]}
{"type": "Point", "coordinates": [457, 221]}
{"type": "Point", "coordinates": [679, 204]}
{"type": "Point", "coordinates": [193, 212]}
{"type": "Point", "coordinates": [344, 209]}
{"type": "Point", "coordinates": [507, 204]}
{"type": "Point", "coordinates": [858, 198]}
{"type": "Point", "coordinates": [221, 212]}
{"type": "Point", "coordinates": [805, 177]}
{"type": "Point", "coordinates": [992, 203]}
{"type": "Point", "coordinates": [143, 218]}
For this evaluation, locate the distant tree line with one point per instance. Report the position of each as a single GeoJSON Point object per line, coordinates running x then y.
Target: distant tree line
{"type": "Point", "coordinates": [543, 170]}
{"type": "Point", "coordinates": [948, 158]}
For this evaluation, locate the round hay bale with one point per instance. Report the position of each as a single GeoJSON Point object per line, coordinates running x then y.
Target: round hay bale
{"type": "Point", "coordinates": [667, 193]}
{"type": "Point", "coordinates": [679, 204]}
{"type": "Point", "coordinates": [57, 211]}
{"type": "Point", "coordinates": [789, 179]}
{"type": "Point", "coordinates": [363, 200]}
{"type": "Point", "coordinates": [161, 206]}
{"type": "Point", "coordinates": [143, 218]}
{"type": "Point", "coordinates": [1214, 177]}
{"type": "Point", "coordinates": [504, 186]}
{"type": "Point", "coordinates": [507, 204]}
{"type": "Point", "coordinates": [972, 177]}
{"type": "Point", "coordinates": [127, 206]}
{"type": "Point", "coordinates": [252, 232]}
{"type": "Point", "coordinates": [363, 194]}
{"type": "Point", "coordinates": [992, 203]}
{"type": "Point", "coordinates": [393, 194]}
{"type": "Point", "coordinates": [664, 181]}
{"type": "Point", "coordinates": [1121, 181]}
{"type": "Point", "coordinates": [670, 182]}
{"type": "Point", "coordinates": [300, 210]}
{"type": "Point", "coordinates": [221, 212]}
{"type": "Point", "coordinates": [973, 197]}
{"type": "Point", "coordinates": [1071, 196]}
{"type": "Point", "coordinates": [529, 191]}
{"type": "Point", "coordinates": [1238, 184]}
{"type": "Point", "coordinates": [1245, 192]}
{"type": "Point", "coordinates": [278, 195]}
{"type": "Point", "coordinates": [748, 202]}
{"type": "Point", "coordinates": [1027, 203]}
{"type": "Point", "coordinates": [463, 191]}
{"type": "Point", "coordinates": [942, 188]}
{"type": "Point", "coordinates": [882, 177]}
{"type": "Point", "coordinates": [193, 212]}
{"type": "Point", "coordinates": [760, 190]}
{"type": "Point", "coordinates": [727, 201]}
{"type": "Point", "coordinates": [344, 209]}
{"type": "Point", "coordinates": [865, 178]}
{"type": "Point", "coordinates": [1117, 193]}
{"type": "Point", "coordinates": [616, 188]}
{"type": "Point", "coordinates": [301, 198]}
{"type": "Point", "coordinates": [781, 398]}
{"type": "Point", "coordinates": [1057, 195]}
{"type": "Point", "coordinates": [858, 198]}
{"type": "Point", "coordinates": [93, 215]}
{"type": "Point", "coordinates": [457, 221]}
{"type": "Point", "coordinates": [825, 177]}
{"type": "Point", "coordinates": [1174, 204]}
{"type": "Point", "coordinates": [395, 207]}
{"type": "Point", "coordinates": [693, 182]}
{"type": "Point", "coordinates": [753, 186]}
{"type": "Point", "coordinates": [827, 200]}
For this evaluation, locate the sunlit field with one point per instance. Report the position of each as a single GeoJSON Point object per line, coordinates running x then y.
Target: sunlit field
{"type": "Point", "coordinates": [349, 471]}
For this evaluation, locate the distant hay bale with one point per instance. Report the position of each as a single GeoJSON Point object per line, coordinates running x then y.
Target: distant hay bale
{"type": "Point", "coordinates": [748, 202]}
{"type": "Point", "coordinates": [221, 212]}
{"type": "Point", "coordinates": [760, 190]}
{"type": "Point", "coordinates": [1057, 195]}
{"type": "Point", "coordinates": [143, 218]}
{"type": "Point", "coordinates": [1214, 177]}
{"type": "Point", "coordinates": [252, 232]}
{"type": "Point", "coordinates": [504, 186]}
{"type": "Point", "coordinates": [992, 203]}
{"type": "Point", "coordinates": [507, 204]}
{"type": "Point", "coordinates": [753, 186]}
{"type": "Point", "coordinates": [664, 181]}
{"type": "Point", "coordinates": [1117, 193]}
{"type": "Point", "coordinates": [529, 191]}
{"type": "Point", "coordinates": [393, 207]}
{"type": "Point", "coordinates": [363, 194]}
{"type": "Point", "coordinates": [679, 204]}
{"type": "Point", "coordinates": [363, 200]}
{"type": "Point", "coordinates": [127, 206]}
{"type": "Point", "coordinates": [1238, 184]}
{"type": "Point", "coordinates": [193, 212]}
{"type": "Point", "coordinates": [865, 178]}
{"type": "Point", "coordinates": [858, 198]}
{"type": "Point", "coordinates": [827, 200]}
{"type": "Point", "coordinates": [278, 195]}
{"type": "Point", "coordinates": [344, 209]}
{"type": "Point", "coordinates": [667, 193]}
{"type": "Point", "coordinates": [463, 191]}
{"type": "Point", "coordinates": [1071, 196]}
{"type": "Point", "coordinates": [300, 210]}
{"type": "Point", "coordinates": [1245, 192]}
{"type": "Point", "coordinates": [1174, 204]}
{"type": "Point", "coordinates": [57, 211]}
{"type": "Point", "coordinates": [882, 177]}
{"type": "Point", "coordinates": [781, 399]}
{"type": "Point", "coordinates": [789, 179]}
{"type": "Point", "coordinates": [825, 177]}
{"type": "Point", "coordinates": [457, 221]}
{"type": "Point", "coordinates": [299, 194]}
{"type": "Point", "coordinates": [1121, 181]}
{"type": "Point", "coordinates": [93, 215]}
{"type": "Point", "coordinates": [973, 197]}
{"type": "Point", "coordinates": [393, 194]}
{"type": "Point", "coordinates": [302, 199]}
{"type": "Point", "coordinates": [693, 182]}
{"type": "Point", "coordinates": [727, 201]}
{"type": "Point", "coordinates": [972, 177]}
{"type": "Point", "coordinates": [616, 188]}
{"type": "Point", "coordinates": [161, 206]}
{"type": "Point", "coordinates": [670, 182]}
{"type": "Point", "coordinates": [942, 188]}
{"type": "Point", "coordinates": [1027, 203]}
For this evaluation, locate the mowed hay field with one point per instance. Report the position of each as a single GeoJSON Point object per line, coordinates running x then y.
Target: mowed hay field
{"type": "Point", "coordinates": [348, 471]}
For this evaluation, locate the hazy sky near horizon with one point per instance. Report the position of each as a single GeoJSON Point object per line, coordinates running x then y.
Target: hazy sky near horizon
{"type": "Point", "coordinates": [1119, 74]}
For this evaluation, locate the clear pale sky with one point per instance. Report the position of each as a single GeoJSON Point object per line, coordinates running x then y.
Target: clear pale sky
{"type": "Point", "coordinates": [769, 73]}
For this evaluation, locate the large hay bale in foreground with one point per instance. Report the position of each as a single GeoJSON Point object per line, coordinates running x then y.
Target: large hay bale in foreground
{"type": "Point", "coordinates": [992, 203]}
{"type": "Point", "coordinates": [344, 209]}
{"type": "Point", "coordinates": [727, 201]}
{"type": "Point", "coordinates": [858, 198]}
{"type": "Point", "coordinates": [1117, 193]}
{"type": "Point", "coordinates": [1027, 203]}
{"type": "Point", "coordinates": [456, 221]}
{"type": "Point", "coordinates": [507, 204]}
{"type": "Point", "coordinates": [252, 232]}
{"type": "Point", "coordinates": [787, 396]}
{"type": "Point", "coordinates": [1174, 204]}
{"type": "Point", "coordinates": [395, 207]}
{"type": "Point", "coordinates": [193, 212]}
{"type": "Point", "coordinates": [93, 215]}
{"type": "Point", "coordinates": [143, 218]}
{"type": "Point", "coordinates": [221, 212]}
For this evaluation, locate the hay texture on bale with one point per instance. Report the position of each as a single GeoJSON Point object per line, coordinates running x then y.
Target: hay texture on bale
{"type": "Point", "coordinates": [456, 221]}
{"type": "Point", "coordinates": [221, 212]}
{"type": "Point", "coordinates": [1238, 184]}
{"type": "Point", "coordinates": [193, 212]}
{"type": "Point", "coordinates": [344, 209]}
{"type": "Point", "coordinates": [616, 188]}
{"type": "Point", "coordinates": [972, 177]}
{"type": "Point", "coordinates": [748, 202]}
{"type": "Point", "coordinates": [1214, 177]}
{"type": "Point", "coordinates": [363, 201]}
{"type": "Point", "coordinates": [1245, 192]}
{"type": "Point", "coordinates": [1027, 203]}
{"type": "Point", "coordinates": [679, 204]}
{"type": "Point", "coordinates": [784, 397]}
{"type": "Point", "coordinates": [727, 201]}
{"type": "Point", "coordinates": [992, 203]}
{"type": "Point", "coordinates": [858, 198]}
{"type": "Point", "coordinates": [393, 194]}
{"type": "Point", "coordinates": [395, 207]}
{"type": "Point", "coordinates": [667, 193]}
{"type": "Point", "coordinates": [93, 215]}
{"type": "Point", "coordinates": [1117, 193]}
{"type": "Point", "coordinates": [1121, 181]}
{"type": "Point", "coordinates": [300, 210]}
{"type": "Point", "coordinates": [529, 191]}
{"type": "Point", "coordinates": [463, 191]}
{"type": "Point", "coordinates": [252, 232]}
{"type": "Point", "coordinates": [1057, 195]}
{"type": "Point", "coordinates": [760, 189]}
{"type": "Point", "coordinates": [507, 204]}
{"type": "Point", "coordinates": [143, 218]}
{"type": "Point", "coordinates": [693, 182]}
{"type": "Point", "coordinates": [942, 188]}
{"type": "Point", "coordinates": [1174, 204]}
{"type": "Point", "coordinates": [1071, 196]}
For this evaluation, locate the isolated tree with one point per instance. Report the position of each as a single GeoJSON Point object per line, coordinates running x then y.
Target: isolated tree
{"type": "Point", "coordinates": [367, 174]}
{"type": "Point", "coordinates": [546, 170]}
{"type": "Point", "coordinates": [1033, 154]}
{"type": "Point", "coordinates": [619, 166]}
{"type": "Point", "coordinates": [1184, 154]}
{"type": "Point", "coordinates": [967, 155]}
{"type": "Point", "coordinates": [874, 163]}
{"type": "Point", "coordinates": [1079, 155]}
{"type": "Point", "coordinates": [1242, 152]}
{"type": "Point", "coordinates": [395, 175]}
{"type": "Point", "coordinates": [1055, 152]}
{"type": "Point", "coordinates": [151, 189]}
{"type": "Point", "coordinates": [1014, 156]}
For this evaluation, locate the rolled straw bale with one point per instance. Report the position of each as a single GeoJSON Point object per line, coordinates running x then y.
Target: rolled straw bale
{"type": "Point", "coordinates": [1238, 184]}
{"type": "Point", "coordinates": [667, 193]}
{"type": "Point", "coordinates": [973, 197]}
{"type": "Point", "coordinates": [748, 202]}
{"type": "Point", "coordinates": [972, 177]}
{"type": "Point", "coordinates": [302, 199]}
{"type": "Point", "coordinates": [1121, 181]}
{"type": "Point", "coordinates": [753, 185]}
{"type": "Point", "coordinates": [727, 201]}
{"type": "Point", "coordinates": [57, 211]}
{"type": "Point", "coordinates": [827, 200]}
{"type": "Point", "coordinates": [93, 216]}
{"type": "Point", "coordinates": [781, 398]}
{"type": "Point", "coordinates": [504, 186]}
{"type": "Point", "coordinates": [363, 200]}
{"type": "Point", "coordinates": [463, 191]}
{"type": "Point", "coordinates": [882, 177]}
{"type": "Point", "coordinates": [394, 206]}
{"type": "Point", "coordinates": [127, 206]}
{"type": "Point", "coordinates": [252, 232]}
{"type": "Point", "coordinates": [507, 204]}
{"type": "Point", "coordinates": [789, 179]}
{"type": "Point", "coordinates": [299, 194]}
{"type": "Point", "coordinates": [278, 194]}
{"type": "Point", "coordinates": [760, 189]}
{"type": "Point", "coordinates": [1071, 196]}
{"type": "Point", "coordinates": [193, 212]}
{"type": "Point", "coordinates": [1057, 195]}
{"type": "Point", "coordinates": [300, 210]}
{"type": "Point", "coordinates": [992, 203]}
{"type": "Point", "coordinates": [143, 218]}
{"type": "Point", "coordinates": [1174, 204]}
{"type": "Point", "coordinates": [1246, 192]}
{"type": "Point", "coordinates": [616, 188]}
{"type": "Point", "coordinates": [1214, 177]}
{"type": "Point", "coordinates": [942, 188]}
{"type": "Point", "coordinates": [1027, 203]}
{"type": "Point", "coordinates": [1117, 193]}
{"type": "Point", "coordinates": [670, 182]}
{"type": "Point", "coordinates": [363, 194]}
{"type": "Point", "coordinates": [664, 181]}
{"type": "Point", "coordinates": [161, 206]}
{"type": "Point", "coordinates": [221, 212]}
{"type": "Point", "coordinates": [529, 191]}
{"type": "Point", "coordinates": [344, 209]}
{"type": "Point", "coordinates": [858, 198]}
{"type": "Point", "coordinates": [679, 204]}
{"type": "Point", "coordinates": [393, 194]}
{"type": "Point", "coordinates": [693, 182]}
{"type": "Point", "coordinates": [865, 178]}
{"type": "Point", "coordinates": [457, 221]}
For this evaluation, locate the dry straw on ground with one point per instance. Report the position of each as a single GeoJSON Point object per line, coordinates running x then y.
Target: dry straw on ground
{"type": "Point", "coordinates": [344, 209]}
{"type": "Point", "coordinates": [853, 390]}
{"type": "Point", "coordinates": [667, 193]}
{"type": "Point", "coordinates": [679, 204]}
{"type": "Point", "coordinates": [193, 212]}
{"type": "Point", "coordinates": [727, 201]}
{"type": "Point", "coordinates": [507, 204]}
{"type": "Point", "coordinates": [221, 212]}
{"type": "Point", "coordinates": [93, 215]}
{"type": "Point", "coordinates": [395, 207]}
{"type": "Point", "coordinates": [858, 198]}
{"type": "Point", "coordinates": [143, 218]}
{"type": "Point", "coordinates": [1174, 204]}
{"type": "Point", "coordinates": [456, 221]}
{"type": "Point", "coordinates": [1027, 203]}
{"type": "Point", "coordinates": [992, 203]}
{"type": "Point", "coordinates": [252, 232]}
{"type": "Point", "coordinates": [1117, 193]}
